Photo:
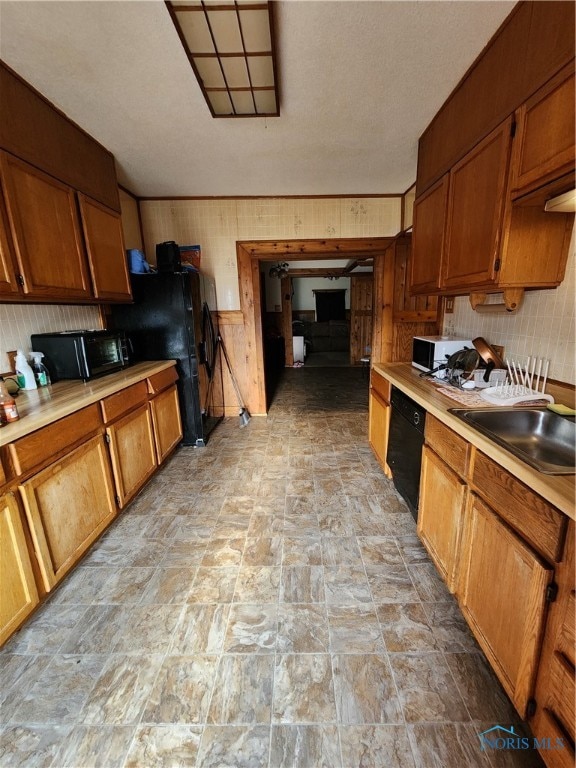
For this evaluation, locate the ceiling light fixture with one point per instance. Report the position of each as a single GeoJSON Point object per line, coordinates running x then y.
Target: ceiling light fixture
{"type": "Point", "coordinates": [279, 270]}
{"type": "Point", "coordinates": [230, 45]}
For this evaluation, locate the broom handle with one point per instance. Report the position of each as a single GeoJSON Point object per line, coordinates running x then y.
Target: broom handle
{"type": "Point", "coordinates": [238, 395]}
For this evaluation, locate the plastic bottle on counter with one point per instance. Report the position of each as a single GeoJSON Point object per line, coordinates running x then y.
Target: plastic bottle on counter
{"type": "Point", "coordinates": [24, 374]}
{"type": "Point", "coordinates": [40, 371]}
{"type": "Point", "coordinates": [8, 409]}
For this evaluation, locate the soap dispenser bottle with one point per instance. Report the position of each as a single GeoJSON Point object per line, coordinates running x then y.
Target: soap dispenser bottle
{"type": "Point", "coordinates": [24, 374]}
{"type": "Point", "coordinates": [40, 371]}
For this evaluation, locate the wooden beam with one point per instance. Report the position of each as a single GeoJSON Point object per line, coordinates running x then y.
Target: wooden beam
{"type": "Point", "coordinates": [271, 250]}
{"type": "Point", "coordinates": [320, 272]}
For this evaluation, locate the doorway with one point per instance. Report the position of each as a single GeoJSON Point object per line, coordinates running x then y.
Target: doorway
{"type": "Point", "coordinates": [249, 256]}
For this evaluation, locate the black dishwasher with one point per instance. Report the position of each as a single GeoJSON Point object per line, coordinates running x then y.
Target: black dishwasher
{"type": "Point", "coordinates": [405, 441]}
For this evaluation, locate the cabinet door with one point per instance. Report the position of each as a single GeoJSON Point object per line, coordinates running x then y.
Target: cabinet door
{"type": "Point", "coordinates": [428, 238]}
{"type": "Point", "coordinates": [68, 505]}
{"type": "Point", "coordinates": [45, 232]}
{"type": "Point", "coordinates": [105, 247]}
{"type": "Point", "coordinates": [503, 597]}
{"type": "Point", "coordinates": [167, 424]}
{"type": "Point", "coordinates": [544, 142]}
{"type": "Point", "coordinates": [441, 514]}
{"type": "Point", "coordinates": [133, 452]}
{"type": "Point", "coordinates": [8, 267]}
{"type": "Point", "coordinates": [19, 594]}
{"type": "Point", "coordinates": [476, 201]}
{"type": "Point", "coordinates": [378, 426]}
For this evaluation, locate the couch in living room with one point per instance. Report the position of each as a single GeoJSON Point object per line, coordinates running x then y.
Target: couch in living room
{"type": "Point", "coordinates": [331, 336]}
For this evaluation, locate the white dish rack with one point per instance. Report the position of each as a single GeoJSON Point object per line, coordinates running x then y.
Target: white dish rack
{"type": "Point", "coordinates": [522, 385]}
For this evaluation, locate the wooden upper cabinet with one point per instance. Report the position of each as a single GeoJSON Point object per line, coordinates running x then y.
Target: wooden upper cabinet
{"type": "Point", "coordinates": [476, 203]}
{"type": "Point", "coordinates": [428, 239]}
{"type": "Point", "coordinates": [8, 267]}
{"type": "Point", "coordinates": [45, 231]}
{"type": "Point", "coordinates": [105, 248]}
{"type": "Point", "coordinates": [544, 143]}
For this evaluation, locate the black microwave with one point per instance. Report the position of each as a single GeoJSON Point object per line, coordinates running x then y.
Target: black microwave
{"type": "Point", "coordinates": [82, 354]}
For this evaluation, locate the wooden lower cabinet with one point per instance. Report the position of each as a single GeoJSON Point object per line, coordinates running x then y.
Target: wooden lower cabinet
{"type": "Point", "coordinates": [19, 593]}
{"type": "Point", "coordinates": [167, 423]}
{"type": "Point", "coordinates": [441, 514]}
{"type": "Point", "coordinates": [555, 684]}
{"type": "Point", "coordinates": [502, 594]}
{"type": "Point", "coordinates": [378, 427]}
{"type": "Point", "coordinates": [133, 452]}
{"type": "Point", "coordinates": [68, 505]}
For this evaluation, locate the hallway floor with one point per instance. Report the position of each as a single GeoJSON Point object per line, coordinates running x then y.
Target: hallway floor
{"type": "Point", "coordinates": [264, 602]}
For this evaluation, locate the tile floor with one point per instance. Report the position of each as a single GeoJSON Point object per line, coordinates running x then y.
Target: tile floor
{"type": "Point", "coordinates": [263, 602]}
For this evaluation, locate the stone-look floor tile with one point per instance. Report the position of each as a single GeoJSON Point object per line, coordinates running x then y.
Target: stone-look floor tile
{"type": "Point", "coordinates": [412, 549]}
{"type": "Point", "coordinates": [148, 629]}
{"type": "Point", "coordinates": [181, 692]}
{"type": "Point", "coordinates": [162, 526]}
{"type": "Point", "coordinates": [251, 628]}
{"type": "Point", "coordinates": [48, 630]}
{"type": "Point", "coordinates": [354, 629]}
{"type": "Point", "coordinates": [341, 550]}
{"type": "Point", "coordinates": [405, 628]}
{"type": "Point", "coordinates": [237, 505]}
{"type": "Point", "coordinates": [449, 626]}
{"type": "Point", "coordinates": [327, 484]}
{"type": "Point", "coordinates": [379, 550]}
{"type": "Point", "coordinates": [301, 524]}
{"type": "Point", "coordinates": [17, 674]}
{"type": "Point", "coordinates": [265, 526]}
{"type": "Point", "coordinates": [302, 584]}
{"type": "Point", "coordinates": [60, 691]}
{"type": "Point", "coordinates": [428, 583]}
{"type": "Point", "coordinates": [125, 585]}
{"type": "Point", "coordinates": [233, 746]}
{"type": "Point", "coordinates": [230, 527]}
{"type": "Point", "coordinates": [108, 553]}
{"type": "Point", "coordinates": [305, 746]}
{"type": "Point", "coordinates": [391, 584]}
{"type": "Point", "coordinates": [121, 691]}
{"type": "Point", "coordinates": [302, 628]}
{"type": "Point", "coordinates": [426, 688]}
{"type": "Point", "coordinates": [242, 690]}
{"type": "Point", "coordinates": [185, 553]}
{"type": "Point", "coordinates": [447, 745]}
{"type": "Point", "coordinates": [335, 522]}
{"type": "Point", "coordinates": [365, 690]}
{"type": "Point", "coordinates": [82, 586]}
{"type": "Point", "coordinates": [257, 584]}
{"type": "Point", "coordinates": [24, 746]}
{"type": "Point", "coordinates": [302, 550]}
{"type": "Point", "coordinates": [303, 689]}
{"type": "Point", "coordinates": [213, 585]}
{"type": "Point", "coordinates": [226, 551]}
{"type": "Point", "coordinates": [164, 746]}
{"type": "Point", "coordinates": [484, 697]}
{"type": "Point", "coordinates": [99, 631]}
{"type": "Point", "coordinates": [150, 553]}
{"type": "Point", "coordinates": [346, 585]}
{"type": "Point", "coordinates": [168, 585]}
{"type": "Point", "coordinates": [201, 629]}
{"type": "Point", "coordinates": [93, 746]}
{"type": "Point", "coordinates": [263, 551]}
{"type": "Point", "coordinates": [369, 746]}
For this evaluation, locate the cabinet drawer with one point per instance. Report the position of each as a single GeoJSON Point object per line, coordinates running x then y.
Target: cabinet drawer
{"type": "Point", "coordinates": [37, 449]}
{"type": "Point", "coordinates": [117, 405]}
{"type": "Point", "coordinates": [540, 524]}
{"type": "Point", "coordinates": [381, 385]}
{"type": "Point", "coordinates": [452, 448]}
{"type": "Point", "coordinates": [162, 380]}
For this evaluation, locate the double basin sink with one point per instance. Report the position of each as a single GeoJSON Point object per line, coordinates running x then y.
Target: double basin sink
{"type": "Point", "coordinates": [541, 438]}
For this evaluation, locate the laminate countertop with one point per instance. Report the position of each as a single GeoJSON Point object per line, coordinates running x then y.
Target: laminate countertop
{"type": "Point", "coordinates": [43, 406]}
{"type": "Point", "coordinates": [558, 490]}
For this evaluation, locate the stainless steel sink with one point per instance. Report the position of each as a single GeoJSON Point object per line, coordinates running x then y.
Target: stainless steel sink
{"type": "Point", "coordinates": [538, 436]}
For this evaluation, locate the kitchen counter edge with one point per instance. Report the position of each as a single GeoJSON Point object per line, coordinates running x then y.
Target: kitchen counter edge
{"type": "Point", "coordinates": [558, 490]}
{"type": "Point", "coordinates": [43, 406]}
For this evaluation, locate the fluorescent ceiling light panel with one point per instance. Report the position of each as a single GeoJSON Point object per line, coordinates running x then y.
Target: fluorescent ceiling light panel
{"type": "Point", "coordinates": [230, 45]}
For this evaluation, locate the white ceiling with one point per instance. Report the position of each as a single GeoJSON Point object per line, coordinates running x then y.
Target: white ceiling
{"type": "Point", "coordinates": [359, 82]}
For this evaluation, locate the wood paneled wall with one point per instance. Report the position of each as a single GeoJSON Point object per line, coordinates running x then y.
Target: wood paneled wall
{"type": "Point", "coordinates": [361, 293]}
{"type": "Point", "coordinates": [231, 326]}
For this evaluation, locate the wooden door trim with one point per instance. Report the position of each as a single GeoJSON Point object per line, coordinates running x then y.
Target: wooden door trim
{"type": "Point", "coordinates": [248, 254]}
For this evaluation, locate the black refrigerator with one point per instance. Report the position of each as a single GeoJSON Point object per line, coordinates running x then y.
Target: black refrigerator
{"type": "Point", "coordinates": [170, 319]}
